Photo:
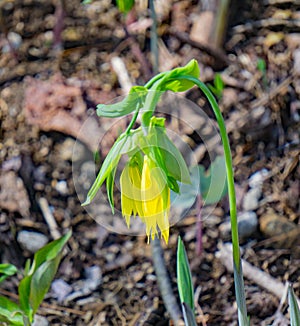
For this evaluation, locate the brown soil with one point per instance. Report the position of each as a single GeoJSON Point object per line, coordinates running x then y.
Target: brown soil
{"type": "Point", "coordinates": [50, 82]}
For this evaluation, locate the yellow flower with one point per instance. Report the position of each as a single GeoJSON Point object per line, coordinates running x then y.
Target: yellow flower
{"type": "Point", "coordinates": [147, 195]}
{"type": "Point", "coordinates": [155, 199]}
{"type": "Point", "coordinates": [130, 182]}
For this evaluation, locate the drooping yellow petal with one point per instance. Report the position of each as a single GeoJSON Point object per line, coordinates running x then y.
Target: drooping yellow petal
{"type": "Point", "coordinates": [127, 203]}
{"type": "Point", "coordinates": [135, 177]}
{"type": "Point", "coordinates": [151, 229]}
{"type": "Point", "coordinates": [155, 198]}
{"type": "Point", "coordinates": [146, 194]}
{"type": "Point", "coordinates": [163, 218]}
{"type": "Point", "coordinates": [130, 182]}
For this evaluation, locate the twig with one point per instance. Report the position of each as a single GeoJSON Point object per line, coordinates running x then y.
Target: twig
{"type": "Point", "coordinates": [121, 71]}
{"type": "Point", "coordinates": [45, 304]}
{"type": "Point", "coordinates": [136, 51]}
{"type": "Point", "coordinates": [200, 311]}
{"type": "Point", "coordinates": [277, 2]}
{"type": "Point", "coordinates": [140, 56]}
{"type": "Point", "coordinates": [284, 296]}
{"type": "Point", "coordinates": [219, 55]}
{"type": "Point", "coordinates": [164, 282]}
{"type": "Point", "coordinates": [49, 218]}
{"type": "Point", "coordinates": [264, 100]}
{"type": "Point", "coordinates": [59, 14]}
{"type": "Point", "coordinates": [266, 23]}
{"type": "Point", "coordinates": [253, 273]}
{"type": "Point", "coordinates": [153, 40]}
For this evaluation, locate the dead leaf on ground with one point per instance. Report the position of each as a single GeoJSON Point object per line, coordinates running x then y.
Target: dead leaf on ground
{"type": "Point", "coordinates": [53, 105]}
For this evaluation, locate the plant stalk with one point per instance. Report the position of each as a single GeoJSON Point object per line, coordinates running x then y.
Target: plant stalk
{"type": "Point", "coordinates": [238, 273]}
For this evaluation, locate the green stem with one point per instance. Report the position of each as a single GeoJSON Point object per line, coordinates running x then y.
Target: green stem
{"type": "Point", "coordinates": [239, 286]}
{"type": "Point", "coordinates": [133, 120]}
{"type": "Point", "coordinates": [153, 80]}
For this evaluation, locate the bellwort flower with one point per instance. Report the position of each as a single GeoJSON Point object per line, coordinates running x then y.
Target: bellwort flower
{"type": "Point", "coordinates": [145, 193]}
{"type": "Point", "coordinates": [156, 199]}
{"type": "Point", "coordinates": [155, 165]}
{"type": "Point", "coordinates": [131, 199]}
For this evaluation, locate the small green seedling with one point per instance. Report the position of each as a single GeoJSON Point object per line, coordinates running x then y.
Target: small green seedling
{"type": "Point", "coordinates": [218, 87]}
{"type": "Point", "coordinates": [294, 308]}
{"type": "Point", "coordinates": [34, 285]}
{"type": "Point", "coordinates": [185, 285]}
{"type": "Point", "coordinates": [261, 66]}
{"type": "Point", "coordinates": [125, 5]}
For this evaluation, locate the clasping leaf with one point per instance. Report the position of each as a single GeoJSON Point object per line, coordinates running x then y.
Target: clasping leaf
{"type": "Point", "coordinates": [170, 81]}
{"type": "Point", "coordinates": [133, 101]}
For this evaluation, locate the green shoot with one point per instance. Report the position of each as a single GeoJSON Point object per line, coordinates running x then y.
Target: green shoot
{"type": "Point", "coordinates": [294, 308]}
{"type": "Point", "coordinates": [35, 284]}
{"type": "Point", "coordinates": [218, 87]}
{"type": "Point", "coordinates": [261, 66]}
{"type": "Point", "coordinates": [185, 285]}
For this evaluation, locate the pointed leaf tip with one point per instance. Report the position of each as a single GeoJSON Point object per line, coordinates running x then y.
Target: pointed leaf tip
{"type": "Point", "coordinates": [294, 308]}
{"type": "Point", "coordinates": [185, 285]}
{"type": "Point", "coordinates": [87, 201]}
{"type": "Point", "coordinates": [173, 82]}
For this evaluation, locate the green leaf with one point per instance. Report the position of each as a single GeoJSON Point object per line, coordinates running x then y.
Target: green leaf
{"type": "Point", "coordinates": [24, 293]}
{"type": "Point", "coordinates": [151, 101]}
{"type": "Point", "coordinates": [125, 5]}
{"type": "Point", "coordinates": [188, 192]}
{"type": "Point", "coordinates": [170, 81]}
{"type": "Point", "coordinates": [27, 267]}
{"type": "Point", "coordinates": [10, 312]}
{"type": "Point", "coordinates": [126, 143]}
{"type": "Point", "coordinates": [173, 159]}
{"type": "Point", "coordinates": [218, 87]}
{"type": "Point", "coordinates": [261, 65]}
{"type": "Point", "coordinates": [173, 184]}
{"type": "Point", "coordinates": [110, 162]}
{"type": "Point", "coordinates": [149, 145]}
{"type": "Point", "coordinates": [166, 155]}
{"type": "Point", "coordinates": [188, 315]}
{"type": "Point", "coordinates": [133, 101]}
{"type": "Point", "coordinates": [7, 270]}
{"type": "Point", "coordinates": [110, 188]}
{"type": "Point", "coordinates": [184, 277]}
{"type": "Point", "coordinates": [30, 291]}
{"type": "Point", "coordinates": [240, 294]}
{"type": "Point", "coordinates": [213, 90]}
{"type": "Point", "coordinates": [294, 308]}
{"type": "Point", "coordinates": [213, 183]}
{"type": "Point", "coordinates": [49, 251]}
{"type": "Point", "coordinates": [219, 83]}
{"type": "Point", "coordinates": [41, 281]}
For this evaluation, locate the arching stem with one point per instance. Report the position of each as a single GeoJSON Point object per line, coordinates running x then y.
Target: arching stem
{"type": "Point", "coordinates": [238, 274]}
